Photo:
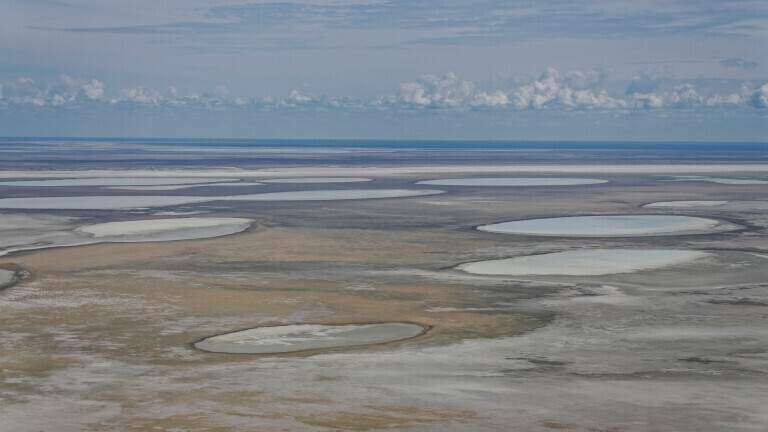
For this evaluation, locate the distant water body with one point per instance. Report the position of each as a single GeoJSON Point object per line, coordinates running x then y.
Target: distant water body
{"type": "Point", "coordinates": [401, 144]}
{"type": "Point", "coordinates": [148, 153]}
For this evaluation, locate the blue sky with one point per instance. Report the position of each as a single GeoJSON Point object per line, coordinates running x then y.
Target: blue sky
{"type": "Point", "coordinates": [486, 69]}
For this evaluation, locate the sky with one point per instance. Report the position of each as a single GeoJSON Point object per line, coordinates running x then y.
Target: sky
{"type": "Point", "coordinates": [656, 70]}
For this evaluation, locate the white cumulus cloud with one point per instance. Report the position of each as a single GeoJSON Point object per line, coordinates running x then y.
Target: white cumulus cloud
{"type": "Point", "coordinates": [760, 97]}
{"type": "Point", "coordinates": [683, 96]}
{"type": "Point", "coordinates": [297, 98]}
{"type": "Point", "coordinates": [66, 90]}
{"type": "Point", "coordinates": [431, 90]}
{"type": "Point", "coordinates": [552, 90]}
{"type": "Point", "coordinates": [94, 90]}
{"type": "Point", "coordinates": [141, 95]}
{"type": "Point", "coordinates": [572, 90]}
{"type": "Point", "coordinates": [494, 99]}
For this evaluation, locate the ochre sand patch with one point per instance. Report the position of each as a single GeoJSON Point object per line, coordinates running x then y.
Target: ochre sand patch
{"type": "Point", "coordinates": [267, 244]}
{"type": "Point", "coordinates": [386, 417]}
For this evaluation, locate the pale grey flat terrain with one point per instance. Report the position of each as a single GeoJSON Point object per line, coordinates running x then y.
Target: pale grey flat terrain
{"type": "Point", "coordinates": [629, 326]}
{"type": "Point", "coordinates": [117, 202]}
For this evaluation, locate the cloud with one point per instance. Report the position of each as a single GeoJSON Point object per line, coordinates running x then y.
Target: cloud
{"type": "Point", "coordinates": [63, 91]}
{"type": "Point", "coordinates": [494, 99]}
{"type": "Point", "coordinates": [738, 63]}
{"type": "Point", "coordinates": [646, 100]}
{"type": "Point", "coordinates": [140, 95]}
{"type": "Point", "coordinates": [23, 91]}
{"type": "Point", "coordinates": [553, 90]}
{"type": "Point", "coordinates": [760, 97]}
{"type": "Point", "coordinates": [731, 99]}
{"type": "Point", "coordinates": [94, 90]}
{"type": "Point", "coordinates": [216, 98]}
{"type": "Point", "coordinates": [296, 98]}
{"type": "Point", "coordinates": [687, 96]}
{"type": "Point", "coordinates": [430, 90]}
{"type": "Point", "coordinates": [683, 96]}
{"type": "Point", "coordinates": [572, 90]}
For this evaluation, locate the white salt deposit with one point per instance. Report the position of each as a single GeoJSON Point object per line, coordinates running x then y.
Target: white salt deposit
{"type": "Point", "coordinates": [300, 337]}
{"type": "Point", "coordinates": [138, 201]}
{"type": "Point", "coordinates": [721, 180]}
{"type": "Point", "coordinates": [155, 226]}
{"type": "Point", "coordinates": [6, 277]}
{"type": "Point", "coordinates": [584, 263]}
{"type": "Point", "coordinates": [737, 181]}
{"type": "Point", "coordinates": [168, 229]}
{"type": "Point", "coordinates": [607, 226]}
{"type": "Point", "coordinates": [686, 204]}
{"type": "Point", "coordinates": [513, 181]}
{"type": "Point", "coordinates": [319, 180]}
{"type": "Point", "coordinates": [730, 205]}
{"type": "Point", "coordinates": [99, 202]}
{"type": "Point", "coordinates": [184, 186]}
{"type": "Point", "coordinates": [114, 181]}
{"type": "Point", "coordinates": [336, 194]}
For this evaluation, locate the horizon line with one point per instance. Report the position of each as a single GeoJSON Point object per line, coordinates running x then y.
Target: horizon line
{"type": "Point", "coordinates": [414, 140]}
